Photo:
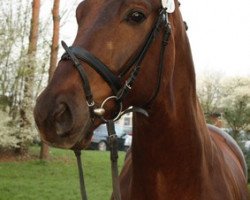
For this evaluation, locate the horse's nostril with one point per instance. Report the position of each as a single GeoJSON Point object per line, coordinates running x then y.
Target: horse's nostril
{"type": "Point", "coordinates": [60, 111]}
{"type": "Point", "coordinates": [63, 120]}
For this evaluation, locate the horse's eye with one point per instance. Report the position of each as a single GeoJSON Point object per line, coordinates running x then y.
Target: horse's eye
{"type": "Point", "coordinates": [135, 17]}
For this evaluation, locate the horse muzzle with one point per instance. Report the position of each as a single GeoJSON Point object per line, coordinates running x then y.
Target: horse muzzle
{"type": "Point", "coordinates": [60, 122]}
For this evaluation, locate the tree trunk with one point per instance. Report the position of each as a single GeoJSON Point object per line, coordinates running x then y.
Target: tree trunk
{"type": "Point", "coordinates": [55, 38]}
{"type": "Point", "coordinates": [26, 110]}
{"type": "Point", "coordinates": [44, 153]}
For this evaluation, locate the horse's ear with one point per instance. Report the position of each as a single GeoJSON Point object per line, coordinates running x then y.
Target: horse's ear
{"type": "Point", "coordinates": [169, 4]}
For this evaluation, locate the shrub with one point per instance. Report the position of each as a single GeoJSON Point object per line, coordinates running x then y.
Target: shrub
{"type": "Point", "coordinates": [11, 138]}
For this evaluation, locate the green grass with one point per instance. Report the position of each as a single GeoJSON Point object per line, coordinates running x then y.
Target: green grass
{"type": "Point", "coordinates": [56, 179]}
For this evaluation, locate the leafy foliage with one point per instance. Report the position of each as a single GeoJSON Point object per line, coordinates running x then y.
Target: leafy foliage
{"type": "Point", "coordinates": [237, 114]}
{"type": "Point", "coordinates": [10, 137]}
{"type": "Point", "coordinates": [210, 92]}
{"type": "Point", "coordinates": [15, 70]}
{"type": "Point", "coordinates": [228, 97]}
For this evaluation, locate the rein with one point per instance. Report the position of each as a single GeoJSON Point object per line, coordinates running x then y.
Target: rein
{"type": "Point", "coordinates": [119, 92]}
{"type": "Point", "coordinates": [114, 164]}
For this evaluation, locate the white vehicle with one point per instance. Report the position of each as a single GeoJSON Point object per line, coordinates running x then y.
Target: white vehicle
{"type": "Point", "coordinates": [127, 142]}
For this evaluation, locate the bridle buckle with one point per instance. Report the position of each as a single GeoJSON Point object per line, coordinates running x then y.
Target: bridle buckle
{"type": "Point", "coordinates": [128, 85]}
{"type": "Point", "coordinates": [91, 104]}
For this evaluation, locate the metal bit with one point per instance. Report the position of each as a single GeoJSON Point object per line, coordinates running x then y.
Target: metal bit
{"type": "Point", "coordinates": [99, 111]}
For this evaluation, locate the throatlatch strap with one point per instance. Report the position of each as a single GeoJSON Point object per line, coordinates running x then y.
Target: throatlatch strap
{"type": "Point", "coordinates": [138, 59]}
{"type": "Point", "coordinates": [166, 35]}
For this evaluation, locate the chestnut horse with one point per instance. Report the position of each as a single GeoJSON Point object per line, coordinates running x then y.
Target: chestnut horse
{"type": "Point", "coordinates": [174, 155]}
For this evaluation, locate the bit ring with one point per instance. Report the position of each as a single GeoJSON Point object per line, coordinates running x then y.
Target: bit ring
{"type": "Point", "coordinates": [118, 114]}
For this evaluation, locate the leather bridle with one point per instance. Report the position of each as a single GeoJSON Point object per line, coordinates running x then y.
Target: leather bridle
{"type": "Point", "coordinates": [119, 91]}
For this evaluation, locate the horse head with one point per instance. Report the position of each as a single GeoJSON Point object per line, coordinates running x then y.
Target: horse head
{"type": "Point", "coordinates": [115, 33]}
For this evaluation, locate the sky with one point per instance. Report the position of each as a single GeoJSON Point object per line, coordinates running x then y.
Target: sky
{"type": "Point", "coordinates": [219, 33]}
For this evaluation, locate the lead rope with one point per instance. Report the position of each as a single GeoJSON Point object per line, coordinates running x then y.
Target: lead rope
{"type": "Point", "coordinates": [114, 163]}
{"type": "Point", "coordinates": [113, 156]}
{"type": "Point", "coordinates": [81, 177]}
{"type": "Point", "coordinates": [114, 159]}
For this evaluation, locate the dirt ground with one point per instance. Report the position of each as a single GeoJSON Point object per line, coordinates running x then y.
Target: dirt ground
{"type": "Point", "coordinates": [11, 156]}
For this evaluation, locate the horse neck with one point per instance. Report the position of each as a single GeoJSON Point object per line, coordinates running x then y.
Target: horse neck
{"type": "Point", "coordinates": [173, 139]}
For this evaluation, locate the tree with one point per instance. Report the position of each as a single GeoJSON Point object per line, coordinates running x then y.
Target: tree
{"type": "Point", "coordinates": [236, 104]}
{"type": "Point", "coordinates": [237, 115]}
{"type": "Point", "coordinates": [44, 153]}
{"type": "Point", "coordinates": [15, 67]}
{"type": "Point", "coordinates": [13, 31]}
{"type": "Point", "coordinates": [218, 94]}
{"type": "Point", "coordinates": [210, 92]}
{"type": "Point", "coordinates": [26, 111]}
{"type": "Point", "coordinates": [55, 38]}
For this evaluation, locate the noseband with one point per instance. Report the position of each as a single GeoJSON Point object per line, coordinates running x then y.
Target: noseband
{"type": "Point", "coordinates": [120, 91]}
